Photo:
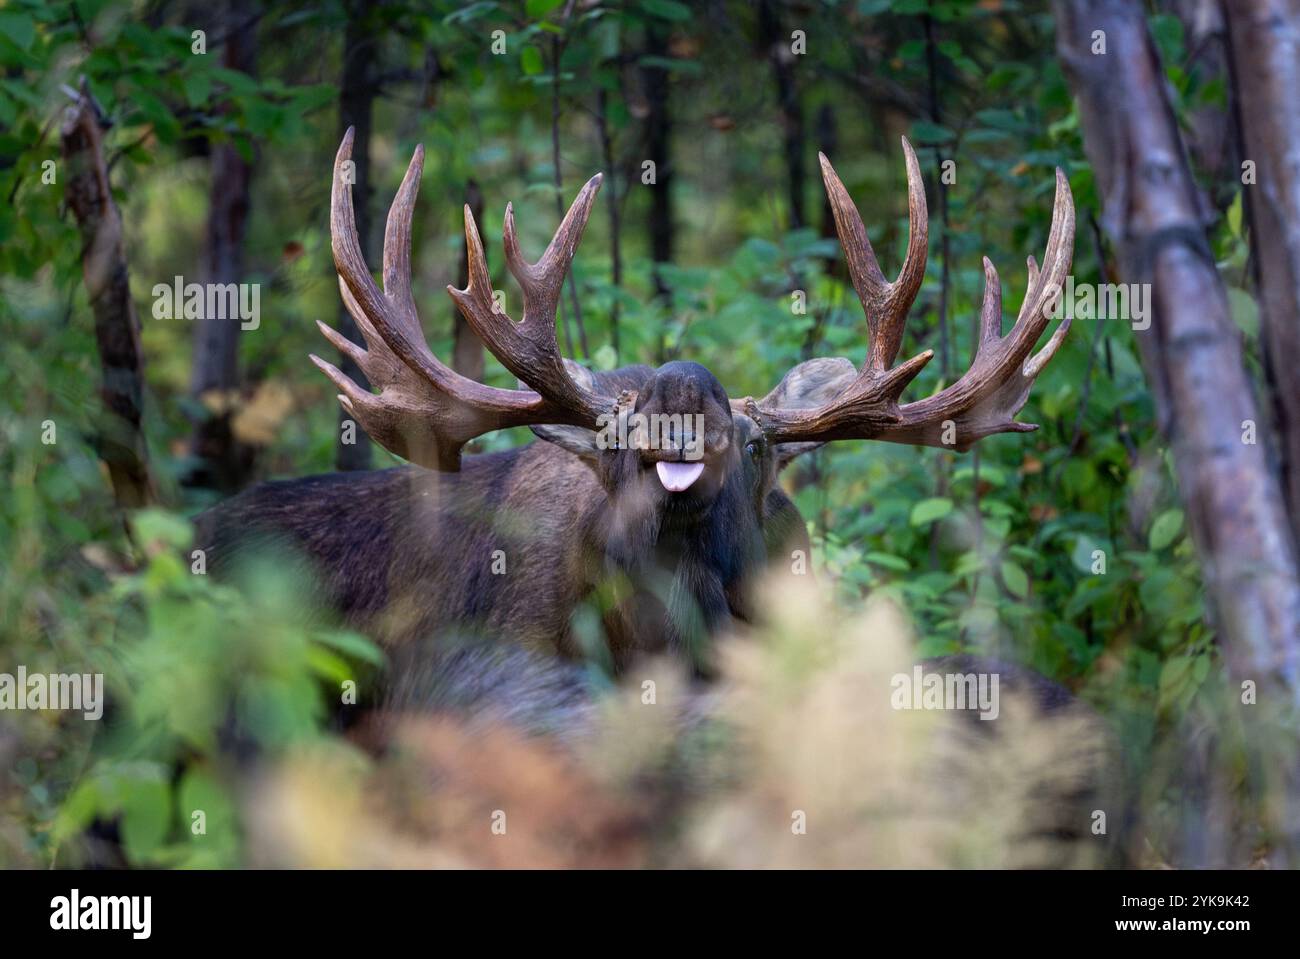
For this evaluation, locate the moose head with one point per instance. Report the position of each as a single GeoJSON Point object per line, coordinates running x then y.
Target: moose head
{"type": "Point", "coordinates": [697, 504]}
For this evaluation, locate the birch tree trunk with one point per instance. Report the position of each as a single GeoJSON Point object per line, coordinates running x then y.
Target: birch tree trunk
{"type": "Point", "coordinates": [1265, 50]}
{"type": "Point", "coordinates": [1191, 352]}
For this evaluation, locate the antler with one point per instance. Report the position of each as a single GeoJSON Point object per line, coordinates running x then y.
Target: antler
{"type": "Point", "coordinates": [426, 411]}
{"type": "Point", "coordinates": [986, 399]}
{"type": "Point", "coordinates": [528, 348]}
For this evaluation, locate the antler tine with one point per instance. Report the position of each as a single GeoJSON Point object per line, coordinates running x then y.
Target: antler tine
{"type": "Point", "coordinates": [1057, 259]}
{"type": "Point", "coordinates": [870, 402]}
{"type": "Point", "coordinates": [989, 395]}
{"type": "Point", "coordinates": [1045, 285]}
{"type": "Point", "coordinates": [986, 399]}
{"type": "Point", "coordinates": [1032, 269]}
{"type": "Point", "coordinates": [543, 281]}
{"type": "Point", "coordinates": [885, 304]}
{"type": "Point", "coordinates": [348, 258]}
{"type": "Point", "coordinates": [425, 411]}
{"type": "Point", "coordinates": [529, 349]}
{"type": "Point", "coordinates": [477, 296]}
{"type": "Point", "coordinates": [397, 245]}
{"type": "Point", "coordinates": [990, 308]}
{"type": "Point", "coordinates": [388, 317]}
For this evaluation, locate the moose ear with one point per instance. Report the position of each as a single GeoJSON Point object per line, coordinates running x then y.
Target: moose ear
{"type": "Point", "coordinates": [575, 439]}
{"type": "Point", "coordinates": [809, 384]}
{"type": "Point", "coordinates": [787, 453]}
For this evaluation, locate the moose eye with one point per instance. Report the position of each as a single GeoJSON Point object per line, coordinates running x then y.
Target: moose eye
{"type": "Point", "coordinates": [755, 450]}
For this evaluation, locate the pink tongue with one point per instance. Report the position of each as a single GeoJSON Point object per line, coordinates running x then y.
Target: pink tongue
{"type": "Point", "coordinates": [678, 476]}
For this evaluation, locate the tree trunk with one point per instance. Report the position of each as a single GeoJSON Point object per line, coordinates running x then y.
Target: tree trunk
{"type": "Point", "coordinates": [222, 461]}
{"type": "Point", "coordinates": [467, 348]}
{"type": "Point", "coordinates": [828, 142]}
{"type": "Point", "coordinates": [776, 47]}
{"type": "Point", "coordinates": [356, 103]}
{"type": "Point", "coordinates": [119, 439]}
{"type": "Point", "coordinates": [1191, 352]}
{"type": "Point", "coordinates": [612, 207]}
{"type": "Point", "coordinates": [1265, 41]}
{"type": "Point", "coordinates": [575, 307]}
{"type": "Point", "coordinates": [658, 127]}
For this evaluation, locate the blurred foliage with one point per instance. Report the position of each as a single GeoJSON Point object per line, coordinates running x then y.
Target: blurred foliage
{"type": "Point", "coordinates": [994, 552]}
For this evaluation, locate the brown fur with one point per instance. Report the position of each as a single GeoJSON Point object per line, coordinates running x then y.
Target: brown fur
{"type": "Point", "coordinates": [407, 554]}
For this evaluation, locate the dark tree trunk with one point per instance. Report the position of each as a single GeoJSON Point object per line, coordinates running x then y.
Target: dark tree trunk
{"type": "Point", "coordinates": [1265, 37]}
{"type": "Point", "coordinates": [119, 439]}
{"type": "Point", "coordinates": [467, 348]}
{"type": "Point", "coordinates": [222, 462]}
{"type": "Point", "coordinates": [1192, 355]}
{"type": "Point", "coordinates": [658, 128]}
{"type": "Point", "coordinates": [575, 307]}
{"type": "Point", "coordinates": [941, 189]}
{"type": "Point", "coordinates": [776, 46]}
{"type": "Point", "coordinates": [356, 103]}
{"type": "Point", "coordinates": [612, 206]}
{"type": "Point", "coordinates": [828, 142]}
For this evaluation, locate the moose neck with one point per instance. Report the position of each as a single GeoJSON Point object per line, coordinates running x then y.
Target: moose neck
{"type": "Point", "coordinates": [687, 564]}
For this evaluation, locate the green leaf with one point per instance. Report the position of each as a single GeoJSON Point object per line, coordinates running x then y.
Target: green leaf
{"type": "Point", "coordinates": [536, 9]}
{"type": "Point", "coordinates": [889, 561]}
{"type": "Point", "coordinates": [146, 817]}
{"type": "Point", "coordinates": [1175, 676]}
{"type": "Point", "coordinates": [78, 810]}
{"type": "Point", "coordinates": [160, 526]}
{"type": "Point", "coordinates": [313, 97]}
{"type": "Point", "coordinates": [1081, 555]}
{"type": "Point", "coordinates": [666, 9]}
{"type": "Point", "coordinates": [530, 59]}
{"type": "Point", "coordinates": [1244, 310]}
{"type": "Point", "coordinates": [261, 116]}
{"type": "Point", "coordinates": [1234, 216]}
{"type": "Point", "coordinates": [328, 666]}
{"type": "Point", "coordinates": [1165, 529]}
{"type": "Point", "coordinates": [927, 133]}
{"type": "Point", "coordinates": [929, 510]}
{"type": "Point", "coordinates": [198, 87]}
{"type": "Point", "coordinates": [18, 28]}
{"type": "Point", "coordinates": [200, 792]}
{"type": "Point", "coordinates": [354, 645]}
{"type": "Point", "coordinates": [1167, 31]}
{"type": "Point", "coordinates": [240, 84]}
{"type": "Point", "coordinates": [1016, 580]}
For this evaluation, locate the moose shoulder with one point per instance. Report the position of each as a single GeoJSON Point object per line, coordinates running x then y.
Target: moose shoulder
{"type": "Point", "coordinates": [653, 495]}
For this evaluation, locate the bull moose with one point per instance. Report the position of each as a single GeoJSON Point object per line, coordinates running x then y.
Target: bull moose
{"type": "Point", "coordinates": [664, 542]}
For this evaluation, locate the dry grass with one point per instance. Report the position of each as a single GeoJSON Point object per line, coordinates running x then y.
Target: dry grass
{"type": "Point", "coordinates": [795, 759]}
